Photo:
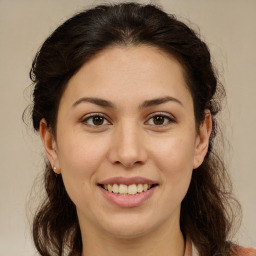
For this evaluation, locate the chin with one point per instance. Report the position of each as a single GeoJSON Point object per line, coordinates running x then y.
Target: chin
{"type": "Point", "coordinates": [132, 226]}
{"type": "Point", "coordinates": [128, 233]}
{"type": "Point", "coordinates": [128, 227]}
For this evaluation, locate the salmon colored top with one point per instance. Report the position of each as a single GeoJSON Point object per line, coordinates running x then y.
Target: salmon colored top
{"type": "Point", "coordinates": [190, 250]}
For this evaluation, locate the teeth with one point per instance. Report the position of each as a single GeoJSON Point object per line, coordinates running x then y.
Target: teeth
{"type": "Point", "coordinates": [132, 189]}
{"type": "Point", "coordinates": [127, 190]}
{"type": "Point", "coordinates": [115, 188]}
{"type": "Point", "coordinates": [109, 188]}
{"type": "Point", "coordinates": [145, 187]}
{"type": "Point", "coordinates": [140, 188]}
{"type": "Point", "coordinates": [122, 189]}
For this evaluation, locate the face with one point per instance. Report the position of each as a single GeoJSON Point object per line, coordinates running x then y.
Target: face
{"type": "Point", "coordinates": [126, 123]}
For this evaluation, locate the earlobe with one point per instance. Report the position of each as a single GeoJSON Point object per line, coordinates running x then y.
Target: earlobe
{"type": "Point", "coordinates": [202, 140]}
{"type": "Point", "coordinates": [49, 143]}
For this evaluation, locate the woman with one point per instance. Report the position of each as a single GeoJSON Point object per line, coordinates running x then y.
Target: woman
{"type": "Point", "coordinates": [125, 100]}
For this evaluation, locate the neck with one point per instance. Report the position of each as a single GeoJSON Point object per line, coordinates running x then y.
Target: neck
{"type": "Point", "coordinates": [165, 240]}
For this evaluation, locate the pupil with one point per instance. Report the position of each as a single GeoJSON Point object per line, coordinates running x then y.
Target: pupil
{"type": "Point", "coordinates": [98, 120]}
{"type": "Point", "coordinates": [158, 120]}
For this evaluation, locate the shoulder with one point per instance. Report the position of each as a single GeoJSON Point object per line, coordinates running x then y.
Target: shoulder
{"type": "Point", "coordinates": [241, 251]}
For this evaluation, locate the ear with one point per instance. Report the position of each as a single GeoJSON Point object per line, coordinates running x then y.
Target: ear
{"type": "Point", "coordinates": [49, 144]}
{"type": "Point", "coordinates": [202, 140]}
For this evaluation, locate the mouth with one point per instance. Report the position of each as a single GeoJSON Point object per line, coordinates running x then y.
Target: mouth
{"type": "Point", "coordinates": [128, 195]}
{"type": "Point", "coordinates": [127, 190]}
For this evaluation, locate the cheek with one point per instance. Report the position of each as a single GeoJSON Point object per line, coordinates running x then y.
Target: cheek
{"type": "Point", "coordinates": [80, 158]}
{"type": "Point", "coordinates": [175, 154]}
{"type": "Point", "coordinates": [174, 159]}
{"type": "Point", "coordinates": [82, 155]}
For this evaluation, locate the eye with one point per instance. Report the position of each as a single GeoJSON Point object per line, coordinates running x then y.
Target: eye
{"type": "Point", "coordinates": [160, 119]}
{"type": "Point", "coordinates": [95, 120]}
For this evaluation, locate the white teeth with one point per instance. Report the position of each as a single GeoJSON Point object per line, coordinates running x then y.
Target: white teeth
{"type": "Point", "coordinates": [145, 187]}
{"type": "Point", "coordinates": [132, 189]}
{"type": "Point", "coordinates": [140, 188]}
{"type": "Point", "coordinates": [109, 188]}
{"type": "Point", "coordinates": [115, 188]}
{"type": "Point", "coordinates": [122, 189]}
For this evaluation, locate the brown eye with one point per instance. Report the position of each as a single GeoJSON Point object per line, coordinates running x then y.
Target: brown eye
{"type": "Point", "coordinates": [98, 120]}
{"type": "Point", "coordinates": [95, 120]}
{"type": "Point", "coordinates": [159, 120]}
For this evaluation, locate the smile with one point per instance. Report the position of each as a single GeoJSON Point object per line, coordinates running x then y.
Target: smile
{"type": "Point", "coordinates": [125, 190]}
{"type": "Point", "coordinates": [128, 191]}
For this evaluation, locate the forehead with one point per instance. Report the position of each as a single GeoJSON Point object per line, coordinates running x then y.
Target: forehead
{"type": "Point", "coordinates": [128, 72]}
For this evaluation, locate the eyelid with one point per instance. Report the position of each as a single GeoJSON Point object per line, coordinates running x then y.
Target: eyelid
{"type": "Point", "coordinates": [164, 114]}
{"type": "Point", "coordinates": [90, 115]}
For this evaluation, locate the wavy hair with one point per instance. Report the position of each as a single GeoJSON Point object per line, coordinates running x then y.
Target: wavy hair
{"type": "Point", "coordinates": [206, 212]}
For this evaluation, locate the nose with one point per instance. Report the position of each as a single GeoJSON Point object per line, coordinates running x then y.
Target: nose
{"type": "Point", "coordinates": [127, 147]}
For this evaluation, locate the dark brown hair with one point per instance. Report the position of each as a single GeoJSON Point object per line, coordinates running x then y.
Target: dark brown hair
{"type": "Point", "coordinates": [206, 214]}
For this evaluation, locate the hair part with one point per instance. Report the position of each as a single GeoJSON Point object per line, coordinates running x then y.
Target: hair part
{"type": "Point", "coordinates": [206, 214]}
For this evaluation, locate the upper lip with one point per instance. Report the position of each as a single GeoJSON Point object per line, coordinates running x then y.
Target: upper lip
{"type": "Point", "coordinates": [127, 181]}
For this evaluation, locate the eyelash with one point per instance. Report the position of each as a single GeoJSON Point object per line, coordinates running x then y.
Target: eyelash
{"type": "Point", "coordinates": [164, 115]}
{"type": "Point", "coordinates": [91, 116]}
{"type": "Point", "coordinates": [170, 119]}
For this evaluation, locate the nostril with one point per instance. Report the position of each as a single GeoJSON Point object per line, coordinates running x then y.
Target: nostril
{"type": "Point", "coordinates": [132, 164]}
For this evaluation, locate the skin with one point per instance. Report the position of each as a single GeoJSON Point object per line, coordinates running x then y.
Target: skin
{"type": "Point", "coordinates": [128, 142]}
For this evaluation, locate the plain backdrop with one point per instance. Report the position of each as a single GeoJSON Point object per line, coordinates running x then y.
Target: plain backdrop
{"type": "Point", "coordinates": [229, 28]}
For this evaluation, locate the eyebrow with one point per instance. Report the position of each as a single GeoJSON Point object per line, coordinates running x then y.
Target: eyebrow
{"type": "Point", "coordinates": [158, 101]}
{"type": "Point", "coordinates": [96, 101]}
{"type": "Point", "coordinates": [109, 104]}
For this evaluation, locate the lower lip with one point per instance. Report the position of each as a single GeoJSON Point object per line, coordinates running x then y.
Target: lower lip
{"type": "Point", "coordinates": [128, 201]}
